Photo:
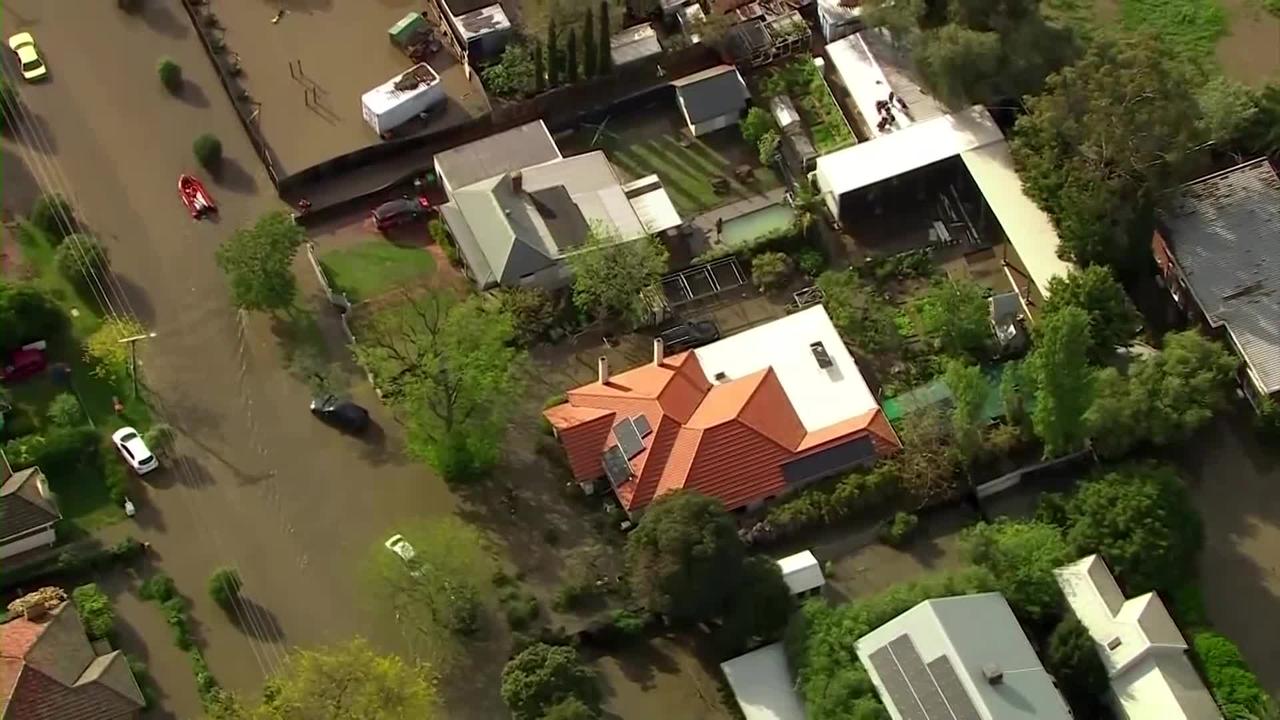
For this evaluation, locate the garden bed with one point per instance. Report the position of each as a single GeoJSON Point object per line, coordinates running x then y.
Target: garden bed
{"type": "Point", "coordinates": [803, 83]}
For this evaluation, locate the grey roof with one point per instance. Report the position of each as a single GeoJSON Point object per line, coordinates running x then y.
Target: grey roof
{"type": "Point", "coordinates": [22, 507]}
{"type": "Point", "coordinates": [634, 43]}
{"type": "Point", "coordinates": [459, 8]}
{"type": "Point", "coordinates": [1224, 231]}
{"type": "Point", "coordinates": [931, 663]}
{"type": "Point", "coordinates": [519, 147]}
{"type": "Point", "coordinates": [711, 93]}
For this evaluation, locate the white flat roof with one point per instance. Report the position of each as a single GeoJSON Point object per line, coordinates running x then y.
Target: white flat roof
{"type": "Point", "coordinates": [761, 682]}
{"type": "Point", "coordinates": [801, 572]}
{"type": "Point", "coordinates": [908, 149]}
{"type": "Point", "coordinates": [1029, 229]}
{"type": "Point", "coordinates": [864, 80]}
{"type": "Point", "coordinates": [652, 204]}
{"type": "Point", "coordinates": [821, 398]}
{"type": "Point", "coordinates": [486, 20]}
{"type": "Point", "coordinates": [385, 96]}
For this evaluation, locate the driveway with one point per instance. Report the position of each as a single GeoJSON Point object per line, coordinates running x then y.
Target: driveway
{"type": "Point", "coordinates": [259, 485]}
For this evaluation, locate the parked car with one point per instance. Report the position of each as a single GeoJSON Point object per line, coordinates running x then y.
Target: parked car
{"type": "Point", "coordinates": [134, 450]}
{"type": "Point", "coordinates": [22, 364]}
{"type": "Point", "coordinates": [398, 212]}
{"type": "Point", "coordinates": [689, 335]}
{"type": "Point", "coordinates": [340, 413]}
{"type": "Point", "coordinates": [403, 550]}
{"type": "Point", "coordinates": [24, 46]}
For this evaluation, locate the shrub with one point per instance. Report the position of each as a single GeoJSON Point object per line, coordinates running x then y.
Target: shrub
{"type": "Point", "coordinates": [521, 608]}
{"type": "Point", "coordinates": [811, 262]}
{"type": "Point", "coordinates": [570, 709]}
{"type": "Point", "coordinates": [83, 261]}
{"type": "Point", "coordinates": [175, 614]}
{"type": "Point", "coordinates": [170, 74]}
{"type": "Point", "coordinates": [440, 234]}
{"type": "Point", "coordinates": [896, 531]}
{"type": "Point", "coordinates": [18, 423]}
{"type": "Point", "coordinates": [1234, 685]}
{"type": "Point", "coordinates": [158, 587]}
{"type": "Point", "coordinates": [531, 310]}
{"type": "Point", "coordinates": [1267, 421]}
{"type": "Point", "coordinates": [826, 504]}
{"type": "Point", "coordinates": [68, 450]}
{"type": "Point", "coordinates": [769, 270]}
{"type": "Point", "coordinates": [95, 610]}
{"type": "Point", "coordinates": [461, 608]}
{"type": "Point", "coordinates": [159, 438]}
{"type": "Point", "coordinates": [542, 676]}
{"type": "Point", "coordinates": [1073, 660]}
{"type": "Point", "coordinates": [64, 411]}
{"type": "Point", "coordinates": [629, 623]}
{"type": "Point", "coordinates": [53, 215]}
{"type": "Point", "coordinates": [208, 151]}
{"type": "Point", "coordinates": [224, 587]}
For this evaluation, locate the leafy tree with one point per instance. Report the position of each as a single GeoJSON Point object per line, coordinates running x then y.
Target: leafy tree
{"type": "Point", "coordinates": [590, 53]}
{"type": "Point", "coordinates": [767, 146]}
{"type": "Point", "coordinates": [570, 709]}
{"type": "Point", "coordinates": [754, 126]}
{"type": "Point", "coordinates": [108, 357]}
{"type": "Point", "coordinates": [28, 313]}
{"type": "Point", "coordinates": [65, 411]}
{"type": "Point", "coordinates": [95, 610]}
{"type": "Point", "coordinates": [258, 262]}
{"type": "Point", "coordinates": [969, 390]}
{"type": "Point", "coordinates": [450, 367]}
{"type": "Point", "coordinates": [959, 63]}
{"type": "Point", "coordinates": [1140, 517]}
{"type": "Point", "coordinates": [555, 61]}
{"type": "Point", "coordinates": [954, 314]}
{"type": "Point", "coordinates": [571, 56]}
{"type": "Point", "coordinates": [860, 316]}
{"type": "Point", "coordinates": [54, 215]}
{"type": "Point", "coordinates": [224, 587]}
{"type": "Point", "coordinates": [1021, 556]}
{"type": "Point", "coordinates": [759, 610]}
{"type": "Point", "coordinates": [769, 270]}
{"type": "Point", "coordinates": [684, 559]}
{"type": "Point", "coordinates": [1113, 419]}
{"type": "Point", "coordinates": [1059, 372]}
{"type": "Point", "coordinates": [1072, 659]}
{"type": "Point", "coordinates": [350, 680]}
{"type": "Point", "coordinates": [1261, 134]}
{"type": "Point", "coordinates": [1107, 135]}
{"type": "Point", "coordinates": [83, 261]}
{"type": "Point", "coordinates": [531, 309]}
{"type": "Point", "coordinates": [170, 74]}
{"type": "Point", "coordinates": [606, 57]}
{"type": "Point", "coordinates": [517, 73]}
{"type": "Point", "coordinates": [208, 151]}
{"type": "Point", "coordinates": [929, 471]}
{"type": "Point", "coordinates": [543, 676]}
{"type": "Point", "coordinates": [611, 275]}
{"type": "Point", "coordinates": [1227, 108]}
{"type": "Point", "coordinates": [1112, 319]}
{"type": "Point", "coordinates": [1235, 687]}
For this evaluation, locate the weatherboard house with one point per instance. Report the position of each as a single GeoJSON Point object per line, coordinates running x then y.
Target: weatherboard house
{"type": "Point", "coordinates": [744, 420]}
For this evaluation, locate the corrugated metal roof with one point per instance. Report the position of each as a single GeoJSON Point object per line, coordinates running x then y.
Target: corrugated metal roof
{"type": "Point", "coordinates": [1224, 231]}
{"type": "Point", "coordinates": [711, 93]}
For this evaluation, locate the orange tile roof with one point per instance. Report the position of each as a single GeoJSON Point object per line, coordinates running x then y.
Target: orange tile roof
{"type": "Point", "coordinates": [729, 440]}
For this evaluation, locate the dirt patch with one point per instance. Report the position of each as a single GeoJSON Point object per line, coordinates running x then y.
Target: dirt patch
{"type": "Point", "coordinates": [662, 679]}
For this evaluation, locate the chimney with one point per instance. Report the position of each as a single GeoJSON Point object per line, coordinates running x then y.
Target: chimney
{"type": "Point", "coordinates": [993, 673]}
{"type": "Point", "coordinates": [659, 351]}
{"type": "Point", "coordinates": [517, 181]}
{"type": "Point", "coordinates": [602, 368]}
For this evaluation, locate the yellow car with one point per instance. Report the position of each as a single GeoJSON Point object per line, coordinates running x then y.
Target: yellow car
{"type": "Point", "coordinates": [24, 46]}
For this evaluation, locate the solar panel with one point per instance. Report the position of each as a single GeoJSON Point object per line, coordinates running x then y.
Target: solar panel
{"type": "Point", "coordinates": [642, 425]}
{"type": "Point", "coordinates": [895, 683]}
{"type": "Point", "coordinates": [628, 438]}
{"type": "Point", "coordinates": [926, 690]}
{"type": "Point", "coordinates": [944, 674]}
{"type": "Point", "coordinates": [616, 466]}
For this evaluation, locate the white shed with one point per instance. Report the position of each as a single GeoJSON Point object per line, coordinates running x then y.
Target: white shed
{"type": "Point", "coordinates": [801, 572]}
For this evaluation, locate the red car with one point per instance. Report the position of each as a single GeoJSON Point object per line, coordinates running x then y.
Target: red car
{"type": "Point", "coordinates": [399, 212]}
{"type": "Point", "coordinates": [21, 365]}
{"type": "Point", "coordinates": [198, 200]}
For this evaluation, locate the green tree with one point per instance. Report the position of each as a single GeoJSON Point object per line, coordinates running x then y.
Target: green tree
{"type": "Point", "coordinates": [571, 56]}
{"type": "Point", "coordinates": [590, 53]}
{"type": "Point", "coordinates": [543, 676]}
{"type": "Point", "coordinates": [516, 74]}
{"type": "Point", "coordinates": [28, 313]}
{"type": "Point", "coordinates": [769, 270]}
{"type": "Point", "coordinates": [208, 151]}
{"type": "Point", "coordinates": [684, 559]}
{"type": "Point", "coordinates": [1014, 391]}
{"type": "Point", "coordinates": [929, 472]}
{"type": "Point", "coordinates": [969, 390]}
{"type": "Point", "coordinates": [611, 275]}
{"type": "Point", "coordinates": [960, 63]}
{"type": "Point", "coordinates": [1227, 108]}
{"type": "Point", "coordinates": [258, 262]}
{"type": "Point", "coordinates": [953, 313]}
{"type": "Point", "coordinates": [64, 410]}
{"type": "Point", "coordinates": [539, 69]}
{"type": "Point", "coordinates": [1141, 518]}
{"type": "Point", "coordinates": [862, 318]}
{"type": "Point", "coordinates": [759, 611]}
{"type": "Point", "coordinates": [767, 146]}
{"type": "Point", "coordinates": [53, 215]}
{"type": "Point", "coordinates": [1112, 319]}
{"type": "Point", "coordinates": [606, 57]}
{"type": "Point", "coordinates": [1021, 556]}
{"type": "Point", "coordinates": [1072, 659]}
{"type": "Point", "coordinates": [1261, 134]}
{"type": "Point", "coordinates": [84, 262]}
{"type": "Point", "coordinates": [1107, 135]}
{"type": "Point", "coordinates": [224, 587]}
{"type": "Point", "coordinates": [532, 312]}
{"type": "Point", "coordinates": [450, 367]}
{"type": "Point", "coordinates": [1235, 687]}
{"type": "Point", "coordinates": [170, 74]}
{"type": "Point", "coordinates": [1059, 372]}
{"type": "Point", "coordinates": [95, 610]}
{"type": "Point", "coordinates": [570, 709]}
{"type": "Point", "coordinates": [754, 126]}
{"type": "Point", "coordinates": [1114, 420]}
{"type": "Point", "coordinates": [107, 356]}
{"type": "Point", "coordinates": [555, 61]}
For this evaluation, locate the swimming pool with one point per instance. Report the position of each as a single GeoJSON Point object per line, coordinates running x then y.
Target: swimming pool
{"type": "Point", "coordinates": [757, 223]}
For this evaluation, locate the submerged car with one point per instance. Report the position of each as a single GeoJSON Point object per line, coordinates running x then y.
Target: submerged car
{"type": "Point", "coordinates": [24, 46]}
{"type": "Point", "coordinates": [134, 450]}
{"type": "Point", "coordinates": [340, 413]}
{"type": "Point", "coordinates": [403, 550]}
{"type": "Point", "coordinates": [398, 212]}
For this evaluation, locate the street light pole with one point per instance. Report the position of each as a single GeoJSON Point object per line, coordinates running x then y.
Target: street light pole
{"type": "Point", "coordinates": [133, 356]}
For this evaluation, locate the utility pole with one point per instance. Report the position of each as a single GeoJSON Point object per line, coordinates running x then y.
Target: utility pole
{"type": "Point", "coordinates": [133, 356]}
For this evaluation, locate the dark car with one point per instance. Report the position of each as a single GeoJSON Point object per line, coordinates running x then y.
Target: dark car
{"type": "Point", "coordinates": [689, 335]}
{"type": "Point", "coordinates": [398, 212]}
{"type": "Point", "coordinates": [342, 414]}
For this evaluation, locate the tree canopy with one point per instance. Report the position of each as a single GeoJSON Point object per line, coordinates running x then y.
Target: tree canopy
{"type": "Point", "coordinates": [610, 275]}
{"type": "Point", "coordinates": [953, 313]}
{"type": "Point", "coordinates": [514, 75]}
{"type": "Point", "coordinates": [1059, 373]}
{"type": "Point", "coordinates": [27, 314]}
{"type": "Point", "coordinates": [258, 262]}
{"type": "Point", "coordinates": [108, 358]}
{"type": "Point", "coordinates": [1021, 556]}
{"type": "Point", "coordinates": [860, 316]}
{"type": "Point", "coordinates": [684, 559]}
{"type": "Point", "coordinates": [543, 676]}
{"type": "Point", "coordinates": [1072, 659]}
{"type": "Point", "coordinates": [1112, 319]}
{"type": "Point", "coordinates": [760, 609]}
{"type": "Point", "coordinates": [969, 391]}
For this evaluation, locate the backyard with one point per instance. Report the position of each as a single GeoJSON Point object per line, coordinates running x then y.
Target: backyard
{"type": "Point", "coordinates": [375, 267]}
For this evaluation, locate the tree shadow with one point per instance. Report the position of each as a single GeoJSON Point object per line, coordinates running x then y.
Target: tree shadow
{"type": "Point", "coordinates": [192, 94]}
{"type": "Point", "coordinates": [233, 176]}
{"type": "Point", "coordinates": [374, 448]}
{"type": "Point", "coordinates": [161, 18]}
{"type": "Point", "coordinates": [256, 621]}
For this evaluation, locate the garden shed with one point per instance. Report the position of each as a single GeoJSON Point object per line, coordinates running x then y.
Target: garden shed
{"type": "Point", "coordinates": [802, 573]}
{"type": "Point", "coordinates": [711, 100]}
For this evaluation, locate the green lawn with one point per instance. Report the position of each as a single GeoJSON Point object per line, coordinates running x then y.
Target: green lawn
{"type": "Point", "coordinates": [1190, 29]}
{"type": "Point", "coordinates": [686, 172]}
{"type": "Point", "coordinates": [374, 268]}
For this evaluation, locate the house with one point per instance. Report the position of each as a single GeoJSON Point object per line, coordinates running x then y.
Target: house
{"type": "Point", "coordinates": [517, 207]}
{"type": "Point", "coordinates": [916, 141]}
{"type": "Point", "coordinates": [744, 420]}
{"type": "Point", "coordinates": [711, 100]}
{"type": "Point", "coordinates": [1218, 249]}
{"type": "Point", "coordinates": [761, 683]}
{"type": "Point", "coordinates": [1141, 648]}
{"type": "Point", "coordinates": [802, 573]}
{"type": "Point", "coordinates": [479, 29]}
{"type": "Point", "coordinates": [50, 671]}
{"type": "Point", "coordinates": [633, 44]}
{"type": "Point", "coordinates": [959, 658]}
{"type": "Point", "coordinates": [28, 510]}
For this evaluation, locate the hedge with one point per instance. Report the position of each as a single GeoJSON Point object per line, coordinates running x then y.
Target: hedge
{"type": "Point", "coordinates": [1235, 687]}
{"type": "Point", "coordinates": [828, 503]}
{"type": "Point", "coordinates": [71, 563]}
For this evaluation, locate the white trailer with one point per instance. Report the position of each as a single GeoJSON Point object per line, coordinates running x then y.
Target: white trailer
{"type": "Point", "coordinates": [401, 98]}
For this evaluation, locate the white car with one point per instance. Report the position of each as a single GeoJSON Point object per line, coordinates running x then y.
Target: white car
{"type": "Point", "coordinates": [24, 46]}
{"type": "Point", "coordinates": [403, 550]}
{"type": "Point", "coordinates": [134, 450]}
